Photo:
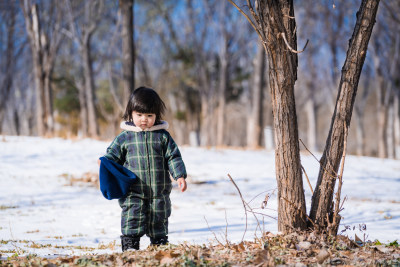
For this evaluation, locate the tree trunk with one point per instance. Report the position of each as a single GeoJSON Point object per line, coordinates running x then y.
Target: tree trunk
{"type": "Point", "coordinates": [44, 46]}
{"type": "Point", "coordinates": [312, 124]}
{"type": "Point", "coordinates": [382, 117]}
{"type": "Point", "coordinates": [360, 132]}
{"type": "Point", "coordinates": [397, 125]}
{"type": "Point", "coordinates": [321, 206]}
{"type": "Point", "coordinates": [390, 129]}
{"type": "Point", "coordinates": [207, 105]}
{"type": "Point", "coordinates": [205, 121]}
{"type": "Point", "coordinates": [255, 120]}
{"type": "Point", "coordinates": [89, 87]}
{"type": "Point", "coordinates": [360, 113]}
{"type": "Point", "coordinates": [48, 98]}
{"type": "Point", "coordinates": [223, 83]}
{"type": "Point", "coordinates": [277, 19]}
{"type": "Point", "coordinates": [82, 109]}
{"type": "Point", "coordinates": [32, 23]}
{"type": "Point", "coordinates": [81, 34]}
{"type": "Point", "coordinates": [6, 83]}
{"type": "Point", "coordinates": [128, 57]}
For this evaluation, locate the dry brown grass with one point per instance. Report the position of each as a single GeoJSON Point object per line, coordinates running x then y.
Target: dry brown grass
{"type": "Point", "coordinates": [296, 249]}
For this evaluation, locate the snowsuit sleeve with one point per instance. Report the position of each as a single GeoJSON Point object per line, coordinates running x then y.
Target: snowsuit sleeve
{"type": "Point", "coordinates": [117, 150]}
{"type": "Point", "coordinates": [174, 159]}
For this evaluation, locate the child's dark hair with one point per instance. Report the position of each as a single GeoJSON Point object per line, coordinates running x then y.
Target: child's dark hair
{"type": "Point", "coordinates": [144, 100]}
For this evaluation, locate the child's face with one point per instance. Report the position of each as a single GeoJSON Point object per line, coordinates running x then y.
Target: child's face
{"type": "Point", "coordinates": [143, 120]}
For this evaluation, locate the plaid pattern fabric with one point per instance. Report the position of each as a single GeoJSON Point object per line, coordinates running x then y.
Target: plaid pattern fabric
{"type": "Point", "coordinates": [145, 216]}
{"type": "Point", "coordinates": [152, 156]}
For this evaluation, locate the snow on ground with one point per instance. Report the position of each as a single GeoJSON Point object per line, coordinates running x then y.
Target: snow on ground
{"type": "Point", "coordinates": [41, 213]}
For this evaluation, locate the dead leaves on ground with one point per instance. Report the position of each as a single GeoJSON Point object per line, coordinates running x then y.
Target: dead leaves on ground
{"type": "Point", "coordinates": [270, 250]}
{"type": "Point", "coordinates": [87, 179]}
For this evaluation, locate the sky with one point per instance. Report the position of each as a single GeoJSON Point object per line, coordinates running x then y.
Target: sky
{"type": "Point", "coordinates": [42, 212]}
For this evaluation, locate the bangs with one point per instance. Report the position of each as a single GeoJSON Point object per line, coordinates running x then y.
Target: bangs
{"type": "Point", "coordinates": [144, 108]}
{"type": "Point", "coordinates": [145, 100]}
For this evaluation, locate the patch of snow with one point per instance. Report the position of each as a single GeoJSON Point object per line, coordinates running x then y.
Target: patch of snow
{"type": "Point", "coordinates": [40, 213]}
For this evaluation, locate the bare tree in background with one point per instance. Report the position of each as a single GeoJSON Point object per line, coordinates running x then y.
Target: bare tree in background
{"type": "Point", "coordinates": [81, 29]}
{"type": "Point", "coordinates": [128, 48]}
{"type": "Point", "coordinates": [360, 110]}
{"type": "Point", "coordinates": [7, 67]}
{"type": "Point", "coordinates": [255, 120]}
{"type": "Point", "coordinates": [44, 43]}
{"type": "Point", "coordinates": [223, 75]}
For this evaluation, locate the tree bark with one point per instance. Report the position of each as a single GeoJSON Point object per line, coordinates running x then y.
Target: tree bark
{"type": "Point", "coordinates": [277, 20]}
{"type": "Point", "coordinates": [128, 53]}
{"type": "Point", "coordinates": [321, 206]}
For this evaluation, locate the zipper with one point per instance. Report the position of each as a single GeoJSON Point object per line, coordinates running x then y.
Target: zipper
{"type": "Point", "coordinates": [148, 163]}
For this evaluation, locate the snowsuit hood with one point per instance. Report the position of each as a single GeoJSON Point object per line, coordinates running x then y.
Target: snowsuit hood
{"type": "Point", "coordinates": [129, 126]}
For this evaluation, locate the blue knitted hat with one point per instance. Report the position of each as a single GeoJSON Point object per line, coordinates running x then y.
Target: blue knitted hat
{"type": "Point", "coordinates": [115, 179]}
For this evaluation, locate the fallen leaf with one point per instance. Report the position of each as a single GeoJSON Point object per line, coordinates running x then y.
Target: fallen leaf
{"type": "Point", "coordinates": [239, 247]}
{"type": "Point", "coordinates": [165, 254]}
{"type": "Point", "coordinates": [322, 255]}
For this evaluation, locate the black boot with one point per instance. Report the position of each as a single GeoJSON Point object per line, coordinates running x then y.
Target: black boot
{"type": "Point", "coordinates": [163, 240]}
{"type": "Point", "coordinates": [129, 242]}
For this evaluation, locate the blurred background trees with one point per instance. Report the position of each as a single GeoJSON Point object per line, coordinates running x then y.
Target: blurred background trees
{"type": "Point", "coordinates": [65, 70]}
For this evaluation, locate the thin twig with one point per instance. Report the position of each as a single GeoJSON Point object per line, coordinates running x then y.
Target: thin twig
{"type": "Point", "coordinates": [245, 15]}
{"type": "Point", "coordinates": [308, 180]}
{"type": "Point", "coordinates": [260, 35]}
{"type": "Point", "coordinates": [226, 229]}
{"type": "Point", "coordinates": [261, 194]}
{"type": "Point", "coordinates": [254, 14]}
{"type": "Point", "coordinates": [309, 151]}
{"type": "Point", "coordinates": [215, 236]}
{"type": "Point", "coordinates": [246, 210]}
{"type": "Point", "coordinates": [341, 206]}
{"type": "Point", "coordinates": [290, 48]}
{"type": "Point", "coordinates": [243, 202]}
{"type": "Point", "coordinates": [264, 209]}
{"type": "Point", "coordinates": [14, 241]}
{"type": "Point", "coordinates": [330, 175]}
{"type": "Point", "coordinates": [338, 192]}
{"type": "Point", "coordinates": [263, 214]}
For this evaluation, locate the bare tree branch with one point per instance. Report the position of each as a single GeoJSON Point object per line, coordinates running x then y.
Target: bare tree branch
{"type": "Point", "coordinates": [289, 47]}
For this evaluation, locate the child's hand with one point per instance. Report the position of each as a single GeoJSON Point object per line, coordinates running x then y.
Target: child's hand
{"type": "Point", "coordinates": [182, 184]}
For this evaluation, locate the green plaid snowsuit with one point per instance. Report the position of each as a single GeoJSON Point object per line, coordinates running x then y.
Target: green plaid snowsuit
{"type": "Point", "coordinates": [151, 154]}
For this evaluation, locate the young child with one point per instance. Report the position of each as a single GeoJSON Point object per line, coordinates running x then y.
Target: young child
{"type": "Point", "coordinates": [148, 150]}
